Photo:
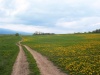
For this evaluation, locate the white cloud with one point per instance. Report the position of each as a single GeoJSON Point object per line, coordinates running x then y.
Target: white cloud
{"type": "Point", "coordinates": [96, 5]}
{"type": "Point", "coordinates": [20, 6]}
{"type": "Point", "coordinates": [13, 7]}
{"type": "Point", "coordinates": [87, 23]}
{"type": "Point", "coordinates": [24, 15]}
{"type": "Point", "coordinates": [6, 20]}
{"type": "Point", "coordinates": [27, 28]}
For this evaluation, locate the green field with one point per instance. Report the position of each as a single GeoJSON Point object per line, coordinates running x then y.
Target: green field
{"type": "Point", "coordinates": [8, 53]}
{"type": "Point", "coordinates": [75, 54]}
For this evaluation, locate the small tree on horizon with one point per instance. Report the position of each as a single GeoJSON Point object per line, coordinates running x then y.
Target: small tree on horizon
{"type": "Point", "coordinates": [17, 34]}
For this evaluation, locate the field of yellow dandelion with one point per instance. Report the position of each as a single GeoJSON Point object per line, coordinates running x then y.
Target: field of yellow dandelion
{"type": "Point", "coordinates": [75, 54]}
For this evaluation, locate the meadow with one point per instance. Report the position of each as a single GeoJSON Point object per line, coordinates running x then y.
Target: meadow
{"type": "Point", "coordinates": [74, 54]}
{"type": "Point", "coordinates": [8, 53]}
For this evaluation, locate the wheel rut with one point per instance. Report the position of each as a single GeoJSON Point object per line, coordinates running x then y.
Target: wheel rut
{"type": "Point", "coordinates": [45, 66]}
{"type": "Point", "coordinates": [21, 65]}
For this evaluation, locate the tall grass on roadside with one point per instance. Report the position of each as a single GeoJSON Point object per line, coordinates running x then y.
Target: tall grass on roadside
{"type": "Point", "coordinates": [32, 63]}
{"type": "Point", "coordinates": [8, 53]}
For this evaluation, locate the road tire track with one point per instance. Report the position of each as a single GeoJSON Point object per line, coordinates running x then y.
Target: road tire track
{"type": "Point", "coordinates": [21, 65]}
{"type": "Point", "coordinates": [46, 67]}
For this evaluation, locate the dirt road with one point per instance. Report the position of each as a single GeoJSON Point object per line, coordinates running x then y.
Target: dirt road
{"type": "Point", "coordinates": [46, 67]}
{"type": "Point", "coordinates": [21, 65]}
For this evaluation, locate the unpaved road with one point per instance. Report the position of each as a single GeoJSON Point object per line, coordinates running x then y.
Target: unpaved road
{"type": "Point", "coordinates": [21, 65]}
{"type": "Point", "coordinates": [46, 67]}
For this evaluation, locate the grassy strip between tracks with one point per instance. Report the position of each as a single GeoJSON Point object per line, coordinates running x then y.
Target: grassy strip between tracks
{"type": "Point", "coordinates": [32, 63]}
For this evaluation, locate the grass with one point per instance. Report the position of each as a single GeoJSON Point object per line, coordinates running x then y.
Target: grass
{"type": "Point", "coordinates": [8, 53]}
{"type": "Point", "coordinates": [32, 63]}
{"type": "Point", "coordinates": [75, 54]}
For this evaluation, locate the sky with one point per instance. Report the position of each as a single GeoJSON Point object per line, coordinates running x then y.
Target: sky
{"type": "Point", "coordinates": [53, 16]}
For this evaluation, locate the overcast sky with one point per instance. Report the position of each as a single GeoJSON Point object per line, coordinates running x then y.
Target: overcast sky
{"type": "Point", "coordinates": [58, 16]}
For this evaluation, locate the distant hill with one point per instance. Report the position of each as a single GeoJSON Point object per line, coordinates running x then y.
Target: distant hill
{"type": "Point", "coordinates": [7, 31]}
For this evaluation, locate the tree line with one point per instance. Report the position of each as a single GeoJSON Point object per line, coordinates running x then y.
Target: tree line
{"type": "Point", "coordinates": [96, 31]}
{"type": "Point", "coordinates": [42, 33]}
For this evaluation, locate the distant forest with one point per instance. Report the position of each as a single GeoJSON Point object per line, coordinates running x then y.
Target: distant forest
{"type": "Point", "coordinates": [41, 33]}
{"type": "Point", "coordinates": [96, 31]}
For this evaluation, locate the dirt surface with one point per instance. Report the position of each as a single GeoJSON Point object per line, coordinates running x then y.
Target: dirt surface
{"type": "Point", "coordinates": [21, 65]}
{"type": "Point", "coordinates": [46, 67]}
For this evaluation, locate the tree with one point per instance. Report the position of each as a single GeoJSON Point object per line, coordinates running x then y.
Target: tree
{"type": "Point", "coordinates": [17, 34]}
